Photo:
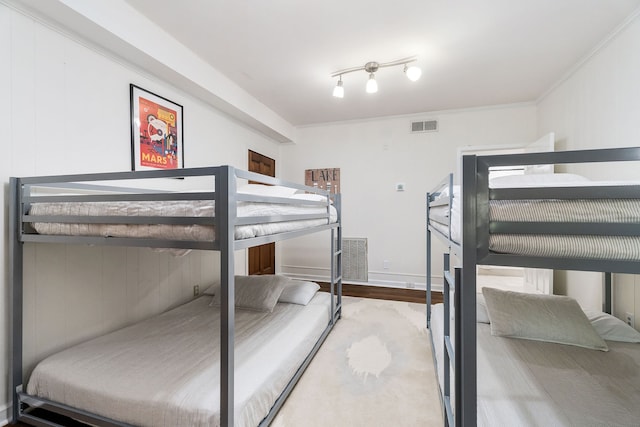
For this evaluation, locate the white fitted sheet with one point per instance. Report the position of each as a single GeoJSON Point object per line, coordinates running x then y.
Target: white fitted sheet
{"type": "Point", "coordinates": [188, 208]}
{"type": "Point", "coordinates": [532, 383]}
{"type": "Point", "coordinates": [165, 371]}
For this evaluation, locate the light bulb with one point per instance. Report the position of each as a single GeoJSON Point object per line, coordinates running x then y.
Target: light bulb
{"type": "Point", "coordinates": [413, 73]}
{"type": "Point", "coordinates": [372, 85]}
{"type": "Point", "coordinates": [338, 90]}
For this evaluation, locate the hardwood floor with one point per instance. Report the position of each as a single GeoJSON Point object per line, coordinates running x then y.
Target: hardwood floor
{"type": "Point", "coordinates": [378, 292]}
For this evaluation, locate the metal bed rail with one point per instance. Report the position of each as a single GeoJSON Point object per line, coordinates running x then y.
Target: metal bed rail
{"type": "Point", "coordinates": [110, 193]}
{"type": "Point", "coordinates": [435, 199]}
{"type": "Point", "coordinates": [484, 195]}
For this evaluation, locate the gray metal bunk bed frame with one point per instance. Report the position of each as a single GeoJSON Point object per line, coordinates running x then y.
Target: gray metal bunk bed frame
{"type": "Point", "coordinates": [225, 219]}
{"type": "Point", "coordinates": [474, 250]}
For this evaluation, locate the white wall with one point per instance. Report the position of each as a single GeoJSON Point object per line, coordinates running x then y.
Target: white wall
{"type": "Point", "coordinates": [598, 106]}
{"type": "Point", "coordinates": [65, 109]}
{"type": "Point", "coordinates": [375, 155]}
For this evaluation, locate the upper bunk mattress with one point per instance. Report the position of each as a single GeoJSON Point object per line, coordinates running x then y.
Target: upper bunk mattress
{"type": "Point", "coordinates": [621, 211]}
{"type": "Point", "coordinates": [165, 371]}
{"type": "Point", "coordinates": [533, 383]}
{"type": "Point", "coordinates": [195, 208]}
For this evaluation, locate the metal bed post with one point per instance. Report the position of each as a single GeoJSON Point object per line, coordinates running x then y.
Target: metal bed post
{"type": "Point", "coordinates": [607, 301]}
{"type": "Point", "coordinates": [466, 396]}
{"type": "Point", "coordinates": [332, 274]}
{"type": "Point", "coordinates": [428, 283]}
{"type": "Point", "coordinates": [225, 217]}
{"type": "Point", "coordinates": [16, 247]}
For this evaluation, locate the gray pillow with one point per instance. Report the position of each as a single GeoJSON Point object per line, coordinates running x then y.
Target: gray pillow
{"type": "Point", "coordinates": [550, 318]}
{"type": "Point", "coordinates": [611, 328]}
{"type": "Point", "coordinates": [298, 292]}
{"type": "Point", "coordinates": [481, 310]}
{"type": "Point", "coordinates": [259, 293]}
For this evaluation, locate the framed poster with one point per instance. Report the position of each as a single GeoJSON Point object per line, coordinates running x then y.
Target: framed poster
{"type": "Point", "coordinates": [327, 179]}
{"type": "Point", "coordinates": [156, 132]}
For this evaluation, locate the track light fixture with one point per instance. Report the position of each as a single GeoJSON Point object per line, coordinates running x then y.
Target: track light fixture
{"type": "Point", "coordinates": [372, 84]}
{"type": "Point", "coordinates": [412, 72]}
{"type": "Point", "coordinates": [338, 91]}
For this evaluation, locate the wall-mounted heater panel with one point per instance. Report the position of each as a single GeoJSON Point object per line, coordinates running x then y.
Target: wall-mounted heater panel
{"type": "Point", "coordinates": [354, 259]}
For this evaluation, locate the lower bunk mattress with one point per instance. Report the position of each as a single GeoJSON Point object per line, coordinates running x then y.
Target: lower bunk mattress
{"type": "Point", "coordinates": [165, 371]}
{"type": "Point", "coordinates": [532, 383]}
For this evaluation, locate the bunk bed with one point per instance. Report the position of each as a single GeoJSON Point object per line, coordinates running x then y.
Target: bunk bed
{"type": "Point", "coordinates": [466, 353]}
{"type": "Point", "coordinates": [107, 209]}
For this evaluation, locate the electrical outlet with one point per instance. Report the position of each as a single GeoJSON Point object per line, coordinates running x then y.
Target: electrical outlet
{"type": "Point", "coordinates": [411, 285]}
{"type": "Point", "coordinates": [386, 264]}
{"type": "Point", "coordinates": [196, 290]}
{"type": "Point", "coordinates": [629, 318]}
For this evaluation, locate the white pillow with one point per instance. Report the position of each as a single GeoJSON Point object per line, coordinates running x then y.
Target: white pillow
{"type": "Point", "coordinates": [611, 328]}
{"type": "Point", "coordinates": [538, 180]}
{"type": "Point", "coordinates": [259, 293]}
{"type": "Point", "coordinates": [550, 318]}
{"type": "Point", "coordinates": [267, 190]}
{"type": "Point", "coordinates": [298, 292]}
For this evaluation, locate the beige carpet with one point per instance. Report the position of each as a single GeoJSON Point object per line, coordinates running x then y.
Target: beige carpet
{"type": "Point", "coordinates": [374, 369]}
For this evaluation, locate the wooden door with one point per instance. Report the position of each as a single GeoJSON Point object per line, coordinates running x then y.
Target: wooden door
{"type": "Point", "coordinates": [262, 259]}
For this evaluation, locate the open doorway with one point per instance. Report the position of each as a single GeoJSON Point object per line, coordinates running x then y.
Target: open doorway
{"type": "Point", "coordinates": [530, 280]}
{"type": "Point", "coordinates": [262, 259]}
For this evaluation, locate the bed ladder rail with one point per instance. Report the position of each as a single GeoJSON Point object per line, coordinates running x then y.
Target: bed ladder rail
{"type": "Point", "coordinates": [451, 414]}
{"type": "Point", "coordinates": [335, 281]}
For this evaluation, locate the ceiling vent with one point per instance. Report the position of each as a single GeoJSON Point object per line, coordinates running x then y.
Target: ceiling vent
{"type": "Point", "coordinates": [425, 126]}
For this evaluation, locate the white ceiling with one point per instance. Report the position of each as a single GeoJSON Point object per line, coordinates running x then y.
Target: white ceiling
{"type": "Point", "coordinates": [472, 53]}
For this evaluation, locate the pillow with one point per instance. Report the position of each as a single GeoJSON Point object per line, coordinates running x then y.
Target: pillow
{"type": "Point", "coordinates": [538, 180]}
{"type": "Point", "coordinates": [537, 317]}
{"type": "Point", "coordinates": [267, 190]}
{"type": "Point", "coordinates": [259, 293]}
{"type": "Point", "coordinates": [298, 292]}
{"type": "Point", "coordinates": [481, 309]}
{"type": "Point", "coordinates": [611, 328]}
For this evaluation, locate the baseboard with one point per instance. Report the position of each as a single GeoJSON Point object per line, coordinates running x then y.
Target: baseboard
{"type": "Point", "coordinates": [5, 411]}
{"type": "Point", "coordinates": [302, 273]}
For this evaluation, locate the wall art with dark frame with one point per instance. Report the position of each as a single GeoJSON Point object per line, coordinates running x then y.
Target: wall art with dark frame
{"type": "Point", "coordinates": [157, 140]}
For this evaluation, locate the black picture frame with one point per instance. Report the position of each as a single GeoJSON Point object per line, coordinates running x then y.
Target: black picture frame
{"type": "Point", "coordinates": [157, 135]}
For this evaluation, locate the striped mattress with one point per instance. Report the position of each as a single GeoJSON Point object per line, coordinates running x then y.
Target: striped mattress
{"type": "Point", "coordinates": [620, 211]}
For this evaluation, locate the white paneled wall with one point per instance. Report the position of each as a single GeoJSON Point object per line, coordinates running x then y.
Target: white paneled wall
{"type": "Point", "coordinates": [626, 296]}
{"type": "Point", "coordinates": [373, 156]}
{"type": "Point", "coordinates": [5, 166]}
{"type": "Point", "coordinates": [65, 109]}
{"type": "Point", "coordinates": [598, 106]}
{"type": "Point", "coordinates": [75, 292]}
